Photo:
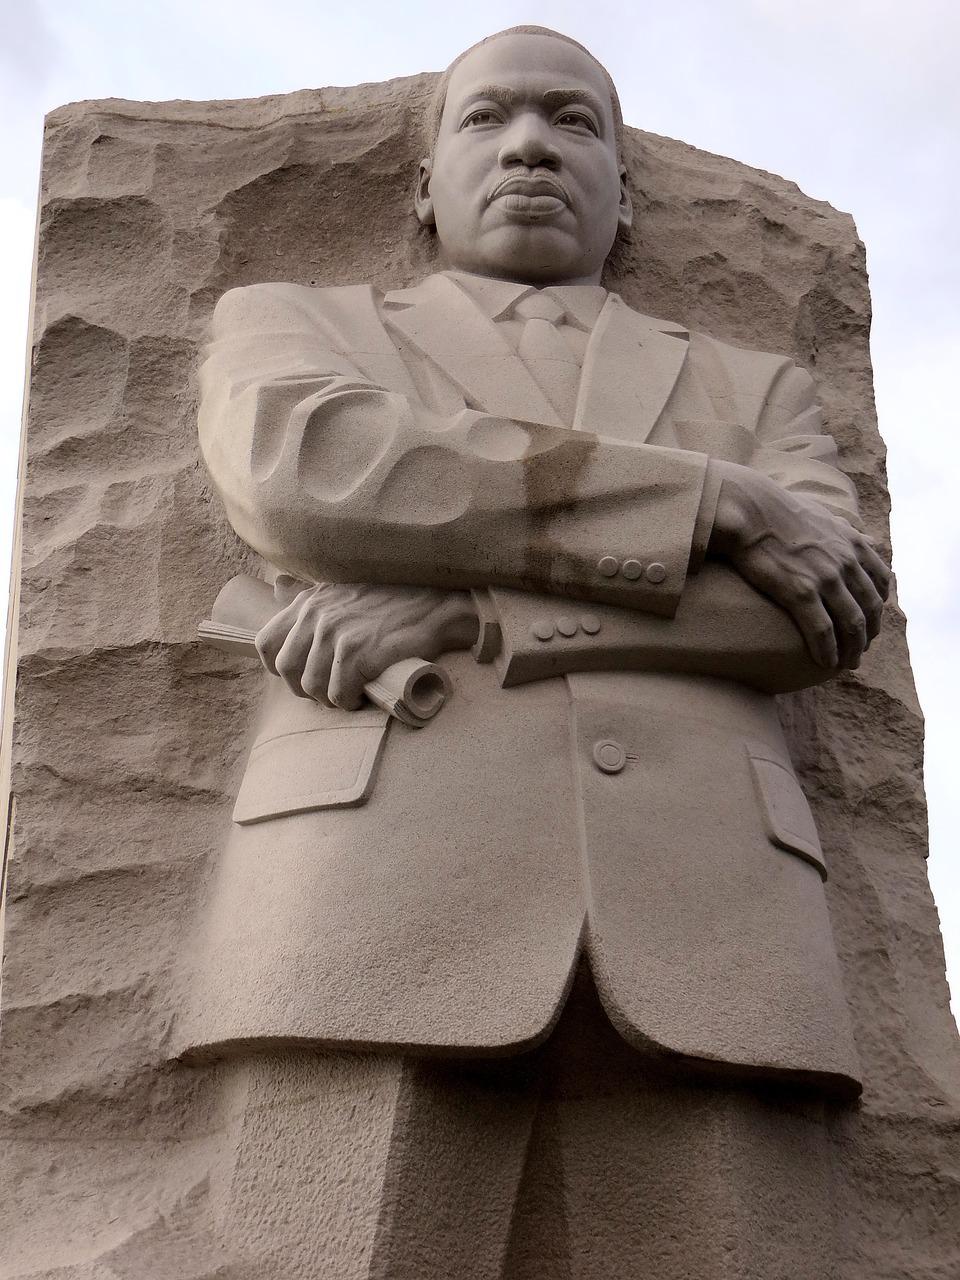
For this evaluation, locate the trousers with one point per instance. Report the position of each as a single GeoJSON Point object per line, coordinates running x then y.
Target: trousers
{"type": "Point", "coordinates": [578, 1160]}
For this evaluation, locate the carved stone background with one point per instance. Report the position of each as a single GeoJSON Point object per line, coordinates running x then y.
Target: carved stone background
{"type": "Point", "coordinates": [129, 737]}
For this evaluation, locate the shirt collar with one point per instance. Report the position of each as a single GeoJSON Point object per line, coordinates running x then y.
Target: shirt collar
{"type": "Point", "coordinates": [497, 298]}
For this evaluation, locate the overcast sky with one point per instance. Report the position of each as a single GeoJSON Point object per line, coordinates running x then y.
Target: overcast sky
{"type": "Point", "coordinates": [855, 100]}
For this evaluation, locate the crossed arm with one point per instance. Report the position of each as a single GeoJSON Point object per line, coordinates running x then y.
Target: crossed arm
{"type": "Point", "coordinates": [334, 478]}
{"type": "Point", "coordinates": [332, 638]}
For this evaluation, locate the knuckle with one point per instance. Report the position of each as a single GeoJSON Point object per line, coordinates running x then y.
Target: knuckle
{"type": "Point", "coordinates": [313, 686]}
{"type": "Point", "coordinates": [345, 696]}
{"type": "Point", "coordinates": [877, 561]}
{"type": "Point", "coordinates": [868, 557]}
{"type": "Point", "coordinates": [287, 664]}
{"type": "Point", "coordinates": [852, 623]}
{"type": "Point", "coordinates": [265, 646]}
{"type": "Point", "coordinates": [349, 643]}
{"type": "Point", "coordinates": [274, 631]}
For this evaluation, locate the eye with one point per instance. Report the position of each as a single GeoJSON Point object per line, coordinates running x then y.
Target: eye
{"type": "Point", "coordinates": [577, 120]}
{"type": "Point", "coordinates": [482, 116]}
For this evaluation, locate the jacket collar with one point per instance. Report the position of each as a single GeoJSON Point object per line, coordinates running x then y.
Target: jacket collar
{"type": "Point", "coordinates": [630, 368]}
{"type": "Point", "coordinates": [497, 298]}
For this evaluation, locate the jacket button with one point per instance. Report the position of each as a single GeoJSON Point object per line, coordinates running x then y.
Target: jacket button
{"type": "Point", "coordinates": [566, 625]}
{"type": "Point", "coordinates": [590, 623]}
{"type": "Point", "coordinates": [656, 572]}
{"type": "Point", "coordinates": [608, 566]}
{"type": "Point", "coordinates": [609, 756]}
{"type": "Point", "coordinates": [542, 629]}
{"type": "Point", "coordinates": [632, 569]}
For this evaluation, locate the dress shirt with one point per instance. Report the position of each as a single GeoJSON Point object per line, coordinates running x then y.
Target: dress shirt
{"type": "Point", "coordinates": [582, 304]}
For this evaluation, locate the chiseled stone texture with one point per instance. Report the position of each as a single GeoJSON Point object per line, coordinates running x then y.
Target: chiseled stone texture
{"type": "Point", "coordinates": [130, 737]}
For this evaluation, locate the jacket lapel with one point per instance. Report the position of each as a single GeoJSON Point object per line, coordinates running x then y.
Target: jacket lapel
{"type": "Point", "coordinates": [447, 327]}
{"type": "Point", "coordinates": [630, 369]}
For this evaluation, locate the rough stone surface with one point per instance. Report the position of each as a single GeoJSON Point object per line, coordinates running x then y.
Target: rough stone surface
{"type": "Point", "coordinates": [129, 737]}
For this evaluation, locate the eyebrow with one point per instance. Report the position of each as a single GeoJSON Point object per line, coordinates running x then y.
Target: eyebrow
{"type": "Point", "coordinates": [550, 97]}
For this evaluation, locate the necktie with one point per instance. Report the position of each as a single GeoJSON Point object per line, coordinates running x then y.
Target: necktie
{"type": "Point", "coordinates": [546, 354]}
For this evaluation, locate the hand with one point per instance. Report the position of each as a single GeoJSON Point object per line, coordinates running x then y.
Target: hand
{"type": "Point", "coordinates": [332, 639]}
{"type": "Point", "coordinates": [814, 564]}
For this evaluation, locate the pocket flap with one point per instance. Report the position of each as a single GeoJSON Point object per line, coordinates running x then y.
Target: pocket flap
{"type": "Point", "coordinates": [317, 768]}
{"type": "Point", "coordinates": [786, 813]}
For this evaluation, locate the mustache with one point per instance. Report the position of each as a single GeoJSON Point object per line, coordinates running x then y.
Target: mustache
{"type": "Point", "coordinates": [526, 183]}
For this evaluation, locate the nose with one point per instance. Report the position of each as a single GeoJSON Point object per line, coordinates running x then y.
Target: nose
{"type": "Point", "coordinates": [529, 143]}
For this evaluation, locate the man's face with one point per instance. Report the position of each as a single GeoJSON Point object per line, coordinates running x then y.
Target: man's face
{"type": "Point", "coordinates": [525, 182]}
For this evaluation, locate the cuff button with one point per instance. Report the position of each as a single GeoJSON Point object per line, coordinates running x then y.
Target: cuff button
{"type": "Point", "coordinates": [542, 629]}
{"type": "Point", "coordinates": [608, 566]}
{"type": "Point", "coordinates": [590, 623]}
{"type": "Point", "coordinates": [609, 756]}
{"type": "Point", "coordinates": [632, 569]}
{"type": "Point", "coordinates": [656, 572]}
{"type": "Point", "coordinates": [566, 625]}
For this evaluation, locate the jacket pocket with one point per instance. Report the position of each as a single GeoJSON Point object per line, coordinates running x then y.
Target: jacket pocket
{"type": "Point", "coordinates": [786, 814]}
{"type": "Point", "coordinates": [316, 768]}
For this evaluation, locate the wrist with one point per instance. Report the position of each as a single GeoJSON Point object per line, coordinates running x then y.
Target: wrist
{"type": "Point", "coordinates": [739, 515]}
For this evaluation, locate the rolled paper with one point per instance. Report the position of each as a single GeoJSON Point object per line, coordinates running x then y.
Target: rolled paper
{"type": "Point", "coordinates": [412, 690]}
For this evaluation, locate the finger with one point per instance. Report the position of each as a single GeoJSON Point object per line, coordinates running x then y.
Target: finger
{"type": "Point", "coordinates": [270, 638]}
{"type": "Point", "coordinates": [877, 570]}
{"type": "Point", "coordinates": [814, 624]}
{"type": "Point", "coordinates": [290, 660]}
{"type": "Point", "coordinates": [315, 679]}
{"type": "Point", "coordinates": [849, 623]}
{"type": "Point", "coordinates": [868, 597]}
{"type": "Point", "coordinates": [799, 597]}
{"type": "Point", "coordinates": [347, 676]}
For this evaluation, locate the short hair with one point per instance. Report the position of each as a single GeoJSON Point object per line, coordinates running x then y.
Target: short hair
{"type": "Point", "coordinates": [439, 99]}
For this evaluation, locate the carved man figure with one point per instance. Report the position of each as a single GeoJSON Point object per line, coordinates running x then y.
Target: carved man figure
{"type": "Point", "coordinates": [481, 979]}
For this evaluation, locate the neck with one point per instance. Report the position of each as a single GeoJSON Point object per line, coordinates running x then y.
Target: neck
{"type": "Point", "coordinates": [513, 277]}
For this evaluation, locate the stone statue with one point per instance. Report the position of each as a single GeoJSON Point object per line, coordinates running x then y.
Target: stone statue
{"type": "Point", "coordinates": [547, 987]}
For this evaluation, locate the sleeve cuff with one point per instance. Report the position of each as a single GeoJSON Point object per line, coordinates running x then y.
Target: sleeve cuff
{"type": "Point", "coordinates": [489, 636]}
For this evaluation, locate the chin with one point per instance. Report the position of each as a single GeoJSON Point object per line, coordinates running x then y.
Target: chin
{"type": "Point", "coordinates": [534, 254]}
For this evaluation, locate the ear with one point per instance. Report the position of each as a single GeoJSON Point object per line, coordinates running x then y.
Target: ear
{"type": "Point", "coordinates": [422, 202]}
{"type": "Point", "coordinates": [625, 215]}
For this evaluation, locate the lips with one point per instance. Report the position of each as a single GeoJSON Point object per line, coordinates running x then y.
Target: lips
{"type": "Point", "coordinates": [523, 186]}
{"type": "Point", "coordinates": [530, 197]}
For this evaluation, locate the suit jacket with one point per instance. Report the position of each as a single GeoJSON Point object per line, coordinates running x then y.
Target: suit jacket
{"type": "Point", "coordinates": [617, 782]}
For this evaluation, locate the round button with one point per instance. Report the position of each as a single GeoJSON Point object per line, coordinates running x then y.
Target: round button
{"type": "Point", "coordinates": [608, 566]}
{"type": "Point", "coordinates": [609, 756]}
{"type": "Point", "coordinates": [543, 629]}
{"type": "Point", "coordinates": [632, 569]}
{"type": "Point", "coordinates": [656, 572]}
{"type": "Point", "coordinates": [566, 625]}
{"type": "Point", "coordinates": [590, 623]}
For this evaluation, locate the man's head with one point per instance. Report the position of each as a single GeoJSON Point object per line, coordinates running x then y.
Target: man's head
{"type": "Point", "coordinates": [525, 181]}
